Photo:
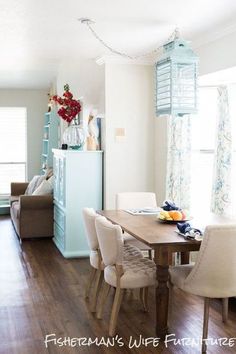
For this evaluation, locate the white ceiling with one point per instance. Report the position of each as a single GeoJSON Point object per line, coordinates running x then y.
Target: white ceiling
{"type": "Point", "coordinates": [35, 36]}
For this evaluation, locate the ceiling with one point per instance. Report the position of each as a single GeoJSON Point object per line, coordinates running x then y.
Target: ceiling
{"type": "Point", "coordinates": [36, 36]}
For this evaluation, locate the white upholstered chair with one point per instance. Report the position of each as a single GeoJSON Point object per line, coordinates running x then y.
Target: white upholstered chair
{"type": "Point", "coordinates": [214, 273]}
{"type": "Point", "coordinates": [136, 200]}
{"type": "Point", "coordinates": [89, 216]}
{"type": "Point", "coordinates": [120, 273]}
{"type": "Point", "coordinates": [97, 265]}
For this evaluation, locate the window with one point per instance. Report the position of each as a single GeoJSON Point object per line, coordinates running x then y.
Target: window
{"type": "Point", "coordinates": [232, 110]}
{"type": "Point", "coordinates": [203, 148]}
{"type": "Point", "coordinates": [204, 125]}
{"type": "Point", "coordinates": [12, 147]}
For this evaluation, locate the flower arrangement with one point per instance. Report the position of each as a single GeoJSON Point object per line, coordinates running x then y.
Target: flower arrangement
{"type": "Point", "coordinates": [69, 106]}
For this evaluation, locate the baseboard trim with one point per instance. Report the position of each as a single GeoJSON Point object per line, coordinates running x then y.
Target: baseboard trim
{"type": "Point", "coordinates": [71, 254]}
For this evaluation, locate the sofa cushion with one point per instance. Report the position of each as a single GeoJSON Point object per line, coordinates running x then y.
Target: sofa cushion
{"type": "Point", "coordinates": [46, 187]}
{"type": "Point", "coordinates": [13, 198]}
{"type": "Point", "coordinates": [16, 209]}
{"type": "Point", "coordinates": [34, 184]}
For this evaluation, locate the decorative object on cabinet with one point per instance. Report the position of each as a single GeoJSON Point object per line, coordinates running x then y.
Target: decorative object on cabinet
{"type": "Point", "coordinates": [70, 107]}
{"type": "Point", "coordinates": [77, 184]}
{"type": "Point", "coordinates": [50, 139]}
{"type": "Point", "coordinates": [93, 133]}
{"type": "Point", "coordinates": [69, 111]}
{"type": "Point", "coordinates": [74, 135]}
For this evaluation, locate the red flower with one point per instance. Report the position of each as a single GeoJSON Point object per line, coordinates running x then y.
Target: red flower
{"type": "Point", "coordinates": [67, 94]}
{"type": "Point", "coordinates": [70, 107]}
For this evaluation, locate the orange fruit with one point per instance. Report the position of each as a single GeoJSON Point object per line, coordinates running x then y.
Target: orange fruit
{"type": "Point", "coordinates": [176, 215]}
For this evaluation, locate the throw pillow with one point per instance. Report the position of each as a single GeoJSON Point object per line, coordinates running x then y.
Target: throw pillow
{"type": "Point", "coordinates": [51, 181]}
{"type": "Point", "coordinates": [34, 184]}
{"type": "Point", "coordinates": [46, 187]}
{"type": "Point", "coordinates": [49, 173]}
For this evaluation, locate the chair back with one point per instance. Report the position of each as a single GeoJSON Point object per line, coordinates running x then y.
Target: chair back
{"type": "Point", "coordinates": [110, 241]}
{"type": "Point", "coordinates": [89, 216]}
{"type": "Point", "coordinates": [133, 200]}
{"type": "Point", "coordinates": [214, 273]}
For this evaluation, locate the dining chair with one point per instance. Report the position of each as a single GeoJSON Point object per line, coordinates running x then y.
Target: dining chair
{"type": "Point", "coordinates": [96, 262]}
{"type": "Point", "coordinates": [214, 273]}
{"type": "Point", "coordinates": [121, 273]}
{"type": "Point", "coordinates": [136, 200]}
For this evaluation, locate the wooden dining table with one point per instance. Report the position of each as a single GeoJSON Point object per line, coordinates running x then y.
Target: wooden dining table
{"type": "Point", "coordinates": [164, 240]}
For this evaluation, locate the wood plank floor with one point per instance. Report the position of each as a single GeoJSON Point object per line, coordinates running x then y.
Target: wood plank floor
{"type": "Point", "coordinates": [42, 293]}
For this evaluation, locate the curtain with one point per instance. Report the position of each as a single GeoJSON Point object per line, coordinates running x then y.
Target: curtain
{"type": "Point", "coordinates": [221, 202]}
{"type": "Point", "coordinates": [178, 160]}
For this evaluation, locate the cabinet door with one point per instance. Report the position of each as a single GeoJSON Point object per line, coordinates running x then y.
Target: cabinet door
{"type": "Point", "coordinates": [59, 180]}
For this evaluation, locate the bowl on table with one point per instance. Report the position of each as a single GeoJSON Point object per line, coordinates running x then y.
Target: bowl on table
{"type": "Point", "coordinates": [173, 216]}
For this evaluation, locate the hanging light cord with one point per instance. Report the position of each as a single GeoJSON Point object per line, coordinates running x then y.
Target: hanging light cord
{"type": "Point", "coordinates": [174, 35]}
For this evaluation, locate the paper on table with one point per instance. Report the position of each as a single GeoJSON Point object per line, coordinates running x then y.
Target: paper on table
{"type": "Point", "coordinates": [144, 211]}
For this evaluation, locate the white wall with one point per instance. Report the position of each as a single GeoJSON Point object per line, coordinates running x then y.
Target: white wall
{"type": "Point", "coordinates": [129, 104]}
{"type": "Point", "coordinates": [160, 158]}
{"type": "Point", "coordinates": [86, 81]}
{"type": "Point", "coordinates": [217, 55]}
{"type": "Point", "coordinates": [36, 103]}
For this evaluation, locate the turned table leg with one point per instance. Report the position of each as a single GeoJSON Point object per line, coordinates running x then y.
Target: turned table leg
{"type": "Point", "coordinates": [185, 257]}
{"type": "Point", "coordinates": [162, 291]}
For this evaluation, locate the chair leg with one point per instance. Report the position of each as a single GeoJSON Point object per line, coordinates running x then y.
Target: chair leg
{"type": "Point", "coordinates": [205, 324]}
{"type": "Point", "coordinates": [105, 291]}
{"type": "Point", "coordinates": [141, 291]}
{"type": "Point", "coordinates": [115, 311]}
{"type": "Point", "coordinates": [170, 298]}
{"type": "Point", "coordinates": [225, 307]}
{"type": "Point", "coordinates": [95, 290]}
{"type": "Point", "coordinates": [150, 254]}
{"type": "Point", "coordinates": [90, 281]}
{"type": "Point", "coordinates": [143, 294]}
{"type": "Point", "coordinates": [145, 299]}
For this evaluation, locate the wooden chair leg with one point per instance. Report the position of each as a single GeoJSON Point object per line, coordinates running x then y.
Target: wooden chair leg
{"type": "Point", "coordinates": [90, 282]}
{"type": "Point", "coordinates": [205, 324]}
{"type": "Point", "coordinates": [225, 308]}
{"type": "Point", "coordinates": [150, 254]}
{"type": "Point", "coordinates": [115, 311]}
{"type": "Point", "coordinates": [105, 291]}
{"type": "Point", "coordinates": [141, 297]}
{"type": "Point", "coordinates": [145, 299]}
{"type": "Point", "coordinates": [170, 298]}
{"type": "Point", "coordinates": [98, 278]}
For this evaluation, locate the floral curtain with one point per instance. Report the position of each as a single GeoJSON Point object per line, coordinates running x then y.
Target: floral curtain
{"type": "Point", "coordinates": [223, 158]}
{"type": "Point", "coordinates": [178, 160]}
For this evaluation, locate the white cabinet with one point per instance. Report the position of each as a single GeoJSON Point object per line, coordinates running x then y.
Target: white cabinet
{"type": "Point", "coordinates": [77, 184]}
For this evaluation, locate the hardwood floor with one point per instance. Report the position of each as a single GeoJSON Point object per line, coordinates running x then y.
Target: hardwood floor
{"type": "Point", "coordinates": [43, 293]}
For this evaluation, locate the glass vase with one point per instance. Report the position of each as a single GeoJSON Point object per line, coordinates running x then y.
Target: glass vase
{"type": "Point", "coordinates": [74, 135]}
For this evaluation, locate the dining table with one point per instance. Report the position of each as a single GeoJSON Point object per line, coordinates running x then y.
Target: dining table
{"type": "Point", "coordinates": [165, 241]}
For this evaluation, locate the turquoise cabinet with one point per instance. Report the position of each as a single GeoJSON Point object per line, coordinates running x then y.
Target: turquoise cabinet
{"type": "Point", "coordinates": [50, 139]}
{"type": "Point", "coordinates": [77, 184]}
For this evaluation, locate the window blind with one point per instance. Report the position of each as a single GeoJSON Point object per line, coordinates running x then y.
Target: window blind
{"type": "Point", "coordinates": [12, 146]}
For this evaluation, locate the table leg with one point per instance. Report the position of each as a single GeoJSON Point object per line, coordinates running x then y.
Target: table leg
{"type": "Point", "coordinates": [184, 257]}
{"type": "Point", "coordinates": [162, 292]}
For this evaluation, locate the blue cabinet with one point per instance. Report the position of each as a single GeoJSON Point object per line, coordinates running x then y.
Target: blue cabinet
{"type": "Point", "coordinates": [50, 139]}
{"type": "Point", "coordinates": [77, 184]}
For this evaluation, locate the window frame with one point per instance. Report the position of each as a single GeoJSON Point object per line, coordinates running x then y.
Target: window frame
{"type": "Point", "coordinates": [5, 196]}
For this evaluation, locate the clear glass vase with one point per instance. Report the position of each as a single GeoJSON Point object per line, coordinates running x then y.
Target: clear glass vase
{"type": "Point", "coordinates": [74, 135]}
